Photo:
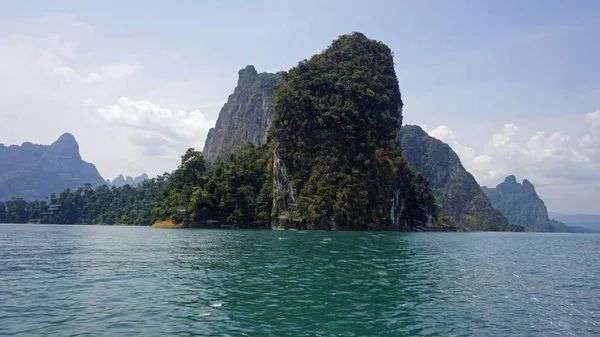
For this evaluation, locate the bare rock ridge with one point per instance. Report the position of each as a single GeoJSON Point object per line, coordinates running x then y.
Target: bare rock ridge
{"type": "Point", "coordinates": [33, 171]}
{"type": "Point", "coordinates": [245, 117]}
{"type": "Point", "coordinates": [457, 192]}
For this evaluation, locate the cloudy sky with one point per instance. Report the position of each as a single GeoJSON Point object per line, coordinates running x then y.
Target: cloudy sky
{"type": "Point", "coordinates": [513, 86]}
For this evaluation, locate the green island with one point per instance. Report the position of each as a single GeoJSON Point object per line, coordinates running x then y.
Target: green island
{"type": "Point", "coordinates": [320, 146]}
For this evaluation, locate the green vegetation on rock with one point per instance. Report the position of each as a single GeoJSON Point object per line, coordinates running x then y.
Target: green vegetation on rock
{"type": "Point", "coordinates": [103, 205]}
{"type": "Point", "coordinates": [456, 191]}
{"type": "Point", "coordinates": [336, 163]}
{"type": "Point", "coordinates": [237, 191]}
{"type": "Point", "coordinates": [446, 223]}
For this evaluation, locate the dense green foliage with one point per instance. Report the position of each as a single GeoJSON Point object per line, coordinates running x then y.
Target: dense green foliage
{"type": "Point", "coordinates": [245, 117]}
{"type": "Point", "coordinates": [334, 130]}
{"type": "Point", "coordinates": [233, 192]}
{"type": "Point", "coordinates": [446, 223]}
{"type": "Point", "coordinates": [456, 191]}
{"type": "Point", "coordinates": [122, 205]}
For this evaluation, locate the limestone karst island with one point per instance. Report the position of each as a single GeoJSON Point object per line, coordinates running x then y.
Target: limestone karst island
{"type": "Point", "coordinates": [320, 146]}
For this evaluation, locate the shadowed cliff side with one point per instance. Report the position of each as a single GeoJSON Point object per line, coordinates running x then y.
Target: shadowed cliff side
{"type": "Point", "coordinates": [456, 190]}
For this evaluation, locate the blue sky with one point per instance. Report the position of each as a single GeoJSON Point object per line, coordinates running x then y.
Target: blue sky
{"type": "Point", "coordinates": [138, 81]}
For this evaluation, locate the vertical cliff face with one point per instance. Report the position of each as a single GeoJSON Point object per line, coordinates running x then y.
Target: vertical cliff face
{"type": "Point", "coordinates": [245, 117]}
{"type": "Point", "coordinates": [284, 193]}
{"type": "Point", "coordinates": [456, 190]}
{"type": "Point", "coordinates": [520, 204]}
{"type": "Point", "coordinates": [336, 162]}
{"type": "Point", "coordinates": [34, 171]}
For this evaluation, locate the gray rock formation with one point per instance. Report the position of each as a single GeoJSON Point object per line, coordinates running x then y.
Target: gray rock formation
{"type": "Point", "coordinates": [32, 171]}
{"type": "Point", "coordinates": [245, 117]}
{"type": "Point", "coordinates": [520, 204]}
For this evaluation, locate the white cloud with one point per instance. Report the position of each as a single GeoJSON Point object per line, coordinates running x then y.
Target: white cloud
{"type": "Point", "coordinates": [546, 158]}
{"type": "Point", "coordinates": [593, 118]}
{"type": "Point", "coordinates": [442, 132]}
{"type": "Point", "coordinates": [157, 128]}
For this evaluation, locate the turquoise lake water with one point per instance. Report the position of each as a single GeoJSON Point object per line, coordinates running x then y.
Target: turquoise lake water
{"type": "Point", "coordinates": [133, 281]}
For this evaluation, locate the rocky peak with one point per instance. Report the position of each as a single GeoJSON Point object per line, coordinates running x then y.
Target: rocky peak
{"type": "Point", "coordinates": [520, 204]}
{"type": "Point", "coordinates": [246, 115]}
{"type": "Point", "coordinates": [34, 171]}
{"type": "Point", "coordinates": [66, 145]}
{"type": "Point", "coordinates": [122, 180]}
{"type": "Point", "coordinates": [528, 185]}
{"type": "Point", "coordinates": [246, 74]}
{"type": "Point", "coordinates": [511, 180]}
{"type": "Point", "coordinates": [66, 138]}
{"type": "Point", "coordinates": [119, 181]}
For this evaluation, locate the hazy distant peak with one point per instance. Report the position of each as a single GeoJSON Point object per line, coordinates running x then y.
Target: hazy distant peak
{"type": "Point", "coordinates": [34, 171]}
{"type": "Point", "coordinates": [527, 184]}
{"type": "Point", "coordinates": [511, 179]}
{"type": "Point", "coordinates": [66, 139]}
{"type": "Point", "coordinates": [124, 180]}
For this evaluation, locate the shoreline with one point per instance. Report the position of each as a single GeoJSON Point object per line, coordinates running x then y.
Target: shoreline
{"type": "Point", "coordinates": [168, 224]}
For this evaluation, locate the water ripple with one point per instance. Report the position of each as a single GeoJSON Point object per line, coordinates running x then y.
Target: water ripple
{"type": "Point", "coordinates": [106, 281]}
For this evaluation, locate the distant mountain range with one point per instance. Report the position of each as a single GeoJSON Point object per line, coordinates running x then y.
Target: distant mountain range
{"type": "Point", "coordinates": [121, 180]}
{"type": "Point", "coordinates": [33, 171]}
{"type": "Point", "coordinates": [587, 221]}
